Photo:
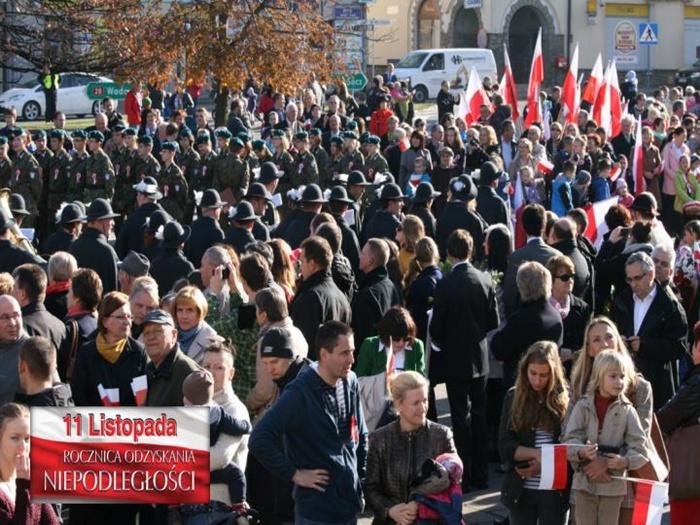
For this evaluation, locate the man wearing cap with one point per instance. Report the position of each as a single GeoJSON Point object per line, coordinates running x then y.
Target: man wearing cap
{"type": "Point", "coordinates": [99, 180]}
{"type": "Point", "coordinates": [69, 219]}
{"type": "Point", "coordinates": [305, 168]}
{"type": "Point", "coordinates": [206, 231]}
{"type": "Point", "coordinates": [375, 162]}
{"type": "Point", "coordinates": [11, 255]}
{"type": "Point", "coordinates": [259, 198]}
{"type": "Point", "coordinates": [26, 175]}
{"type": "Point", "coordinates": [44, 156]}
{"type": "Point", "coordinates": [339, 204]}
{"type": "Point", "coordinates": [488, 203]}
{"type": "Point", "coordinates": [459, 213]}
{"type": "Point", "coordinates": [118, 155]}
{"type": "Point", "coordinates": [352, 158]}
{"type": "Point", "coordinates": [310, 205]}
{"type": "Point", "coordinates": [58, 173]}
{"type": "Point", "coordinates": [230, 174]}
{"type": "Point", "coordinates": [205, 167]}
{"type": "Point", "coordinates": [421, 205]}
{"type": "Point", "coordinates": [168, 366]}
{"type": "Point", "coordinates": [130, 235]}
{"type": "Point", "coordinates": [240, 232]}
{"type": "Point", "coordinates": [18, 208]}
{"type": "Point", "coordinates": [5, 163]}
{"type": "Point", "coordinates": [172, 184]}
{"type": "Point", "coordinates": [147, 165]}
{"type": "Point", "coordinates": [92, 250]}
{"type": "Point", "coordinates": [133, 266]}
{"type": "Point", "coordinates": [320, 155]}
{"type": "Point", "coordinates": [386, 221]}
{"type": "Point", "coordinates": [76, 174]}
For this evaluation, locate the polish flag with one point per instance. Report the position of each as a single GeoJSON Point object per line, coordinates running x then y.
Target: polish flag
{"type": "Point", "coordinates": [615, 102]}
{"type": "Point", "coordinates": [640, 184]}
{"type": "Point", "coordinates": [615, 172]}
{"type": "Point", "coordinates": [545, 166]}
{"type": "Point", "coordinates": [554, 467]}
{"type": "Point", "coordinates": [649, 500]}
{"type": "Point", "coordinates": [534, 110]}
{"type": "Point", "coordinates": [595, 80]}
{"type": "Point", "coordinates": [596, 220]}
{"type": "Point", "coordinates": [109, 396]}
{"type": "Point", "coordinates": [472, 99]}
{"type": "Point", "coordinates": [139, 386]}
{"type": "Point", "coordinates": [569, 104]}
{"type": "Point", "coordinates": [507, 87]}
{"type": "Point", "coordinates": [602, 109]}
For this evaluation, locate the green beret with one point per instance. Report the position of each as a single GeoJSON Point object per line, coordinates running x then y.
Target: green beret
{"type": "Point", "coordinates": [56, 134]}
{"type": "Point", "coordinates": [3, 140]}
{"type": "Point", "coordinates": [245, 137]}
{"type": "Point", "coordinates": [79, 134]}
{"type": "Point", "coordinates": [349, 135]}
{"type": "Point", "coordinates": [351, 125]}
{"type": "Point", "coordinates": [129, 131]}
{"type": "Point", "coordinates": [301, 135]}
{"type": "Point", "coordinates": [223, 134]}
{"type": "Point", "coordinates": [145, 139]}
{"type": "Point", "coordinates": [315, 132]}
{"type": "Point", "coordinates": [202, 138]}
{"type": "Point", "coordinates": [236, 143]}
{"type": "Point", "coordinates": [17, 132]}
{"type": "Point", "coordinates": [96, 135]}
{"type": "Point", "coordinates": [169, 146]}
{"type": "Point", "coordinates": [258, 144]}
{"type": "Point", "coordinates": [336, 140]}
{"type": "Point", "coordinates": [278, 133]}
{"type": "Point", "coordinates": [119, 128]}
{"type": "Point", "coordinates": [364, 137]}
{"type": "Point", "coordinates": [185, 132]}
{"type": "Point", "coordinates": [39, 134]}
{"type": "Point", "coordinates": [373, 139]}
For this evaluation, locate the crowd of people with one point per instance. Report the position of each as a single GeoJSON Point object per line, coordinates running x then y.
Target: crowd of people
{"type": "Point", "coordinates": [314, 285]}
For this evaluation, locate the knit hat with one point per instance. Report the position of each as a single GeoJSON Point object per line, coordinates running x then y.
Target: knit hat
{"type": "Point", "coordinates": [277, 342]}
{"type": "Point", "coordinates": [198, 387]}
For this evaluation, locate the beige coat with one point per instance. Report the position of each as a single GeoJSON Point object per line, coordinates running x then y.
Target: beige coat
{"type": "Point", "coordinates": [206, 336]}
{"type": "Point", "coordinates": [621, 428]}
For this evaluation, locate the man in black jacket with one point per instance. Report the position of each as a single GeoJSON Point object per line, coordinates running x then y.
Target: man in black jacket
{"type": "Point", "coordinates": [460, 213]}
{"type": "Point", "coordinates": [318, 299]}
{"type": "Point", "coordinates": [131, 233]}
{"type": "Point", "coordinates": [464, 311]}
{"type": "Point", "coordinates": [240, 231]}
{"type": "Point", "coordinates": [206, 231]}
{"type": "Point", "coordinates": [11, 255]}
{"type": "Point", "coordinates": [561, 238]}
{"type": "Point", "coordinates": [30, 291]}
{"type": "Point", "coordinates": [488, 204]}
{"type": "Point", "coordinates": [653, 324]}
{"type": "Point", "coordinates": [386, 221]}
{"type": "Point", "coordinates": [172, 264]}
{"type": "Point", "coordinates": [377, 293]}
{"type": "Point", "coordinates": [339, 204]}
{"type": "Point", "coordinates": [37, 374]}
{"type": "Point", "coordinates": [310, 205]}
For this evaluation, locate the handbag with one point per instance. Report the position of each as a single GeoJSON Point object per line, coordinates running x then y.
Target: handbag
{"type": "Point", "coordinates": [373, 395]}
{"type": "Point", "coordinates": [657, 468]}
{"type": "Point", "coordinates": [684, 452]}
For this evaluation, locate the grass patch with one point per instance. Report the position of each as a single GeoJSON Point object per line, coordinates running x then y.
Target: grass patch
{"type": "Point", "coordinates": [71, 124]}
{"type": "Point", "coordinates": [422, 106]}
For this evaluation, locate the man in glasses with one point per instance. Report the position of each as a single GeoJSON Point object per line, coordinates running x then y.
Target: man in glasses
{"type": "Point", "coordinates": [12, 337]}
{"type": "Point", "coordinates": [653, 324]}
{"type": "Point", "coordinates": [664, 262]}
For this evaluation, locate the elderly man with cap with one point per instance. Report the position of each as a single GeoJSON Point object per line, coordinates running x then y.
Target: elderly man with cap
{"type": "Point", "coordinates": [99, 179]}
{"type": "Point", "coordinates": [18, 208]}
{"type": "Point", "coordinates": [168, 366]}
{"type": "Point", "coordinates": [59, 170]}
{"type": "Point", "coordinates": [131, 233]}
{"type": "Point", "coordinates": [5, 163]}
{"type": "Point", "coordinates": [76, 172]}
{"type": "Point", "coordinates": [259, 198]}
{"type": "Point", "coordinates": [421, 206]}
{"type": "Point", "coordinates": [12, 337]}
{"type": "Point", "coordinates": [12, 255]}
{"type": "Point", "coordinates": [270, 177]}
{"type": "Point", "coordinates": [240, 231]}
{"type": "Point", "coordinates": [69, 218]}
{"type": "Point", "coordinates": [206, 230]}
{"type": "Point", "coordinates": [133, 266]}
{"type": "Point", "coordinates": [340, 206]}
{"type": "Point", "coordinates": [92, 250]}
{"type": "Point", "coordinates": [305, 167]}
{"type": "Point", "coordinates": [386, 221]}
{"type": "Point", "coordinates": [172, 184]}
{"type": "Point", "coordinates": [203, 175]}
{"type": "Point", "coordinates": [460, 213]}
{"type": "Point", "coordinates": [171, 265]}
{"type": "Point", "coordinates": [310, 205]}
{"type": "Point", "coordinates": [488, 203]}
{"type": "Point", "coordinates": [26, 175]}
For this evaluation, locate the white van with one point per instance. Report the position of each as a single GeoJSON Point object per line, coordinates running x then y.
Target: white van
{"type": "Point", "coordinates": [427, 68]}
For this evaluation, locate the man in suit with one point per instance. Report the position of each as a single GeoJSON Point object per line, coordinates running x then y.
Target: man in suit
{"type": "Point", "coordinates": [464, 311]}
{"type": "Point", "coordinates": [562, 238]}
{"type": "Point", "coordinates": [534, 221]}
{"type": "Point", "coordinates": [653, 324]}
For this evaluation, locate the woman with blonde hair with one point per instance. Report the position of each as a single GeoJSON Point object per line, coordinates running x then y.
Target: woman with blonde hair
{"type": "Point", "coordinates": [533, 414]}
{"type": "Point", "coordinates": [408, 234]}
{"type": "Point", "coordinates": [189, 309]}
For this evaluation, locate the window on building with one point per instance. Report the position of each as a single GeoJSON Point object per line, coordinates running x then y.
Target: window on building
{"type": "Point", "coordinates": [429, 25]}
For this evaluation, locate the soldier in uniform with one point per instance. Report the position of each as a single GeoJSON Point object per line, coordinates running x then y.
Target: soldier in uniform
{"type": "Point", "coordinates": [203, 175]}
{"type": "Point", "coordinates": [352, 158]}
{"type": "Point", "coordinates": [231, 175]}
{"type": "Point", "coordinates": [305, 168]}
{"type": "Point", "coordinates": [58, 175]}
{"type": "Point", "coordinates": [172, 184]}
{"type": "Point", "coordinates": [26, 176]}
{"type": "Point", "coordinates": [123, 193]}
{"type": "Point", "coordinates": [321, 156]}
{"type": "Point", "coordinates": [206, 231]}
{"type": "Point", "coordinates": [187, 159]}
{"type": "Point", "coordinates": [76, 173]}
{"type": "Point", "coordinates": [99, 180]}
{"type": "Point", "coordinates": [335, 155]}
{"type": "Point", "coordinates": [248, 155]}
{"type": "Point", "coordinates": [283, 159]}
{"type": "Point", "coordinates": [43, 156]}
{"type": "Point", "coordinates": [5, 163]}
{"type": "Point", "coordinates": [261, 151]}
{"type": "Point", "coordinates": [375, 162]}
{"type": "Point", "coordinates": [147, 166]}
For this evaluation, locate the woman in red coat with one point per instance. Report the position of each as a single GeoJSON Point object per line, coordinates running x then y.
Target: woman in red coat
{"type": "Point", "coordinates": [378, 124]}
{"type": "Point", "coordinates": [132, 105]}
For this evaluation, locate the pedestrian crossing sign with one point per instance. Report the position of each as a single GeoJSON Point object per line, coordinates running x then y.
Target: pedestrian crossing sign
{"type": "Point", "coordinates": [648, 33]}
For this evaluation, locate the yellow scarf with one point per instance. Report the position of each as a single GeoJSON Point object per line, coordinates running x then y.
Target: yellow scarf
{"type": "Point", "coordinates": [110, 351]}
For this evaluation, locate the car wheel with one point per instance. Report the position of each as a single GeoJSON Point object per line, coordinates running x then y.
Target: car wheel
{"type": "Point", "coordinates": [96, 107]}
{"type": "Point", "coordinates": [31, 110]}
{"type": "Point", "coordinates": [420, 95]}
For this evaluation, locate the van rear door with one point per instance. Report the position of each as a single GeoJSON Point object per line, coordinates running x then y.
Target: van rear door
{"type": "Point", "coordinates": [434, 73]}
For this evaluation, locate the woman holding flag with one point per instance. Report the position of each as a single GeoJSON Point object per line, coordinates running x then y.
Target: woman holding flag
{"type": "Point", "coordinates": [532, 418]}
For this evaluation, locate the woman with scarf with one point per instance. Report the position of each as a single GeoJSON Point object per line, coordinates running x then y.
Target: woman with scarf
{"type": "Point", "coordinates": [194, 334]}
{"type": "Point", "coordinates": [62, 266]}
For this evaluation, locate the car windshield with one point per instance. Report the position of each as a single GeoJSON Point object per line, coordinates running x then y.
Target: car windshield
{"type": "Point", "coordinates": [412, 61]}
{"type": "Point", "coordinates": [29, 84]}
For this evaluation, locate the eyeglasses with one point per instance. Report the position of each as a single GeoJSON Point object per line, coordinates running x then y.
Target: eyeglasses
{"type": "Point", "coordinates": [635, 278]}
{"type": "Point", "coordinates": [126, 317]}
{"type": "Point", "coordinates": [565, 277]}
{"type": "Point", "coordinates": [12, 317]}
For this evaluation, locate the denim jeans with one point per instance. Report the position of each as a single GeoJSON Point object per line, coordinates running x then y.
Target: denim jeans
{"type": "Point", "coordinates": [300, 520]}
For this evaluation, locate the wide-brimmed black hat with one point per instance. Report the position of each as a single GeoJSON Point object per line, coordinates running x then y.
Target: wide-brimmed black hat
{"type": "Point", "coordinates": [100, 209]}
{"type": "Point", "coordinates": [174, 234]}
{"type": "Point", "coordinates": [339, 194]}
{"type": "Point", "coordinates": [258, 190]}
{"type": "Point", "coordinates": [17, 205]}
{"type": "Point", "coordinates": [357, 178]}
{"type": "Point", "coordinates": [6, 219]}
{"type": "Point", "coordinates": [269, 172]}
{"type": "Point", "coordinates": [488, 173]}
{"type": "Point", "coordinates": [312, 193]}
{"type": "Point", "coordinates": [157, 219]}
{"type": "Point", "coordinates": [243, 212]}
{"type": "Point", "coordinates": [135, 264]}
{"type": "Point", "coordinates": [462, 188]}
{"type": "Point", "coordinates": [645, 202]}
{"type": "Point", "coordinates": [211, 199]}
{"type": "Point", "coordinates": [71, 213]}
{"type": "Point", "coordinates": [391, 192]}
{"type": "Point", "coordinates": [425, 192]}
{"type": "Point", "coordinates": [148, 186]}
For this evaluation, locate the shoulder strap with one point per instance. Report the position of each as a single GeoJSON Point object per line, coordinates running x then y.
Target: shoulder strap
{"type": "Point", "coordinates": [75, 339]}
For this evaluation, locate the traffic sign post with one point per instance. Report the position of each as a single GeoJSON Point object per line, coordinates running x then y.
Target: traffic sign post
{"type": "Point", "coordinates": [100, 90]}
{"type": "Point", "coordinates": [356, 81]}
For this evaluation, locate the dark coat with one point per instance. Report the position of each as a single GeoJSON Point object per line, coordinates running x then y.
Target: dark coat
{"type": "Point", "coordinates": [491, 207]}
{"type": "Point", "coordinates": [350, 245]}
{"type": "Point", "coordinates": [86, 325]}
{"type": "Point", "coordinates": [429, 222]}
{"type": "Point", "coordinates": [206, 232]}
{"type": "Point", "coordinates": [464, 312]}
{"type": "Point", "coordinates": [12, 256]}
{"type": "Point", "coordinates": [131, 233]}
{"type": "Point", "coordinates": [383, 224]}
{"type": "Point", "coordinates": [610, 268]}
{"type": "Point", "coordinates": [165, 382]}
{"type": "Point", "coordinates": [284, 224]}
{"type": "Point", "coordinates": [420, 296]}
{"type": "Point", "coordinates": [238, 238]}
{"type": "Point", "coordinates": [59, 395]}
{"type": "Point", "coordinates": [533, 321]}
{"type": "Point", "coordinates": [318, 300]}
{"type": "Point", "coordinates": [456, 216]}
{"type": "Point", "coordinates": [377, 293]}
{"type": "Point", "coordinates": [91, 370]}
{"type": "Point", "coordinates": [575, 323]}
{"type": "Point", "coordinates": [663, 338]}
{"type": "Point", "coordinates": [343, 276]}
{"type": "Point", "coordinates": [58, 241]}
{"type": "Point", "coordinates": [38, 321]}
{"type": "Point", "coordinates": [92, 250]}
{"type": "Point", "coordinates": [168, 268]}
{"type": "Point", "coordinates": [621, 146]}
{"type": "Point", "coordinates": [582, 268]}
{"type": "Point", "coordinates": [57, 303]}
{"type": "Point", "coordinates": [298, 229]}
{"type": "Point", "coordinates": [684, 408]}
{"type": "Point", "coordinates": [260, 231]}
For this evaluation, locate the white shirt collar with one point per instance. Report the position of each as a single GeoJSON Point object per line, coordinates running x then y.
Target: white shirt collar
{"type": "Point", "coordinates": [649, 298]}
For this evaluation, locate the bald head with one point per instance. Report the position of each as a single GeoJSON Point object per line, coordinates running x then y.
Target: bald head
{"type": "Point", "coordinates": [10, 318]}
{"type": "Point", "coordinates": [563, 230]}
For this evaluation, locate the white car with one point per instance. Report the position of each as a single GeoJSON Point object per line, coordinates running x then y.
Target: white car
{"type": "Point", "coordinates": [30, 102]}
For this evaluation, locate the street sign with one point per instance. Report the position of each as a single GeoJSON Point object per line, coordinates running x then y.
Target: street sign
{"type": "Point", "coordinates": [356, 81]}
{"type": "Point", "coordinates": [100, 90]}
{"type": "Point", "coordinates": [648, 33]}
{"type": "Point", "coordinates": [472, 4]}
{"type": "Point", "coordinates": [377, 22]}
{"type": "Point", "coordinates": [346, 12]}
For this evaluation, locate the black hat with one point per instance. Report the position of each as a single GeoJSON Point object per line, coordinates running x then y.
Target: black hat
{"type": "Point", "coordinates": [174, 234]}
{"type": "Point", "coordinates": [645, 202]}
{"type": "Point", "coordinates": [70, 213]}
{"type": "Point", "coordinates": [158, 317]}
{"type": "Point", "coordinates": [17, 205]}
{"type": "Point", "coordinates": [211, 199]}
{"type": "Point", "coordinates": [277, 342]}
{"type": "Point", "coordinates": [339, 194]}
{"type": "Point", "coordinates": [145, 139]}
{"type": "Point", "coordinates": [157, 219]}
{"type": "Point", "coordinates": [269, 172]}
{"type": "Point", "coordinates": [135, 264]}
{"type": "Point", "coordinates": [391, 192]}
{"type": "Point", "coordinates": [462, 188]}
{"type": "Point", "coordinates": [6, 220]}
{"type": "Point", "coordinates": [312, 193]}
{"type": "Point", "coordinates": [357, 178]}
{"type": "Point", "coordinates": [425, 192]}
{"type": "Point", "coordinates": [148, 186]}
{"type": "Point", "coordinates": [100, 209]}
{"type": "Point", "coordinates": [243, 212]}
{"type": "Point", "coordinates": [258, 190]}
{"type": "Point", "coordinates": [488, 173]}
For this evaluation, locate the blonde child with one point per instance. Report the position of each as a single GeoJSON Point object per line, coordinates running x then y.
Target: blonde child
{"type": "Point", "coordinates": [606, 422]}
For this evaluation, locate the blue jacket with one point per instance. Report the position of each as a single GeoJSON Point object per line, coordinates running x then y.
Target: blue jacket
{"type": "Point", "coordinates": [600, 189]}
{"type": "Point", "coordinates": [562, 199]}
{"type": "Point", "coordinates": [313, 441]}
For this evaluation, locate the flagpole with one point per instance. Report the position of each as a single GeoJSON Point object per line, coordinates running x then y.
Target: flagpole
{"type": "Point", "coordinates": [639, 480]}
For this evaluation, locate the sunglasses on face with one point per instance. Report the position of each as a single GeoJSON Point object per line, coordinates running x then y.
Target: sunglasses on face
{"type": "Point", "coordinates": [566, 277]}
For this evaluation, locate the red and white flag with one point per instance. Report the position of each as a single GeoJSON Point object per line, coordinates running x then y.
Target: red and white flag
{"type": "Point", "coordinates": [596, 220]}
{"type": "Point", "coordinates": [640, 184]}
{"type": "Point", "coordinates": [545, 166]}
{"type": "Point", "coordinates": [595, 80]}
{"type": "Point", "coordinates": [109, 396]}
{"type": "Point", "coordinates": [507, 88]}
{"type": "Point", "coordinates": [649, 500]}
{"type": "Point", "coordinates": [615, 102]}
{"type": "Point", "coordinates": [554, 467]}
{"type": "Point", "coordinates": [569, 104]}
{"type": "Point", "coordinates": [602, 109]}
{"type": "Point", "coordinates": [139, 386]}
{"type": "Point", "coordinates": [472, 99]}
{"type": "Point", "coordinates": [534, 110]}
{"type": "Point", "coordinates": [615, 172]}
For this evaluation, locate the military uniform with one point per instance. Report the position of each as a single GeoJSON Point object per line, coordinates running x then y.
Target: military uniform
{"type": "Point", "coordinates": [5, 172]}
{"type": "Point", "coordinates": [174, 188]}
{"type": "Point", "coordinates": [76, 176]}
{"type": "Point", "coordinates": [99, 177]}
{"type": "Point", "coordinates": [352, 160]}
{"type": "Point", "coordinates": [323, 162]}
{"type": "Point", "coordinates": [284, 162]}
{"type": "Point", "coordinates": [26, 180]}
{"type": "Point", "coordinates": [187, 161]}
{"type": "Point", "coordinates": [375, 164]}
{"type": "Point", "coordinates": [230, 172]}
{"type": "Point", "coordinates": [305, 170]}
{"type": "Point", "coordinates": [146, 167]}
{"type": "Point", "coordinates": [252, 160]}
{"type": "Point", "coordinates": [57, 181]}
